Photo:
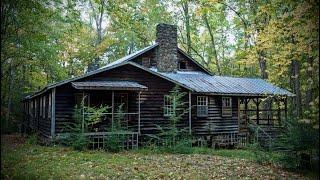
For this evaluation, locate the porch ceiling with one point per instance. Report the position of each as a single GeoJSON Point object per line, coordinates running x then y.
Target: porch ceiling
{"type": "Point", "coordinates": [109, 85]}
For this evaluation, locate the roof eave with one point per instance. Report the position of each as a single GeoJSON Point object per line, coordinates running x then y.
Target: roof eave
{"type": "Point", "coordinates": [242, 94]}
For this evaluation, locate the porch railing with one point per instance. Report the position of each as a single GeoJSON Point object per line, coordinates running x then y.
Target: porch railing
{"type": "Point", "coordinates": [127, 140]}
{"type": "Point", "coordinates": [129, 121]}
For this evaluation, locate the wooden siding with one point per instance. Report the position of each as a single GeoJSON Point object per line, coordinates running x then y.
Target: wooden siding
{"type": "Point", "coordinates": [151, 100]}
{"type": "Point", "coordinates": [214, 123]}
{"type": "Point", "coordinates": [148, 55]}
{"type": "Point", "coordinates": [190, 66]}
{"type": "Point", "coordinates": [34, 119]}
{"type": "Point", "coordinates": [151, 105]}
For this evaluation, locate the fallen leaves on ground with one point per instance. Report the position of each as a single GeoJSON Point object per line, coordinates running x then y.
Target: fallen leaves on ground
{"type": "Point", "coordinates": [35, 161]}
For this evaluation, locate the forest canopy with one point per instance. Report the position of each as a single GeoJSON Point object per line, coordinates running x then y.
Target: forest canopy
{"type": "Point", "coordinates": [47, 41]}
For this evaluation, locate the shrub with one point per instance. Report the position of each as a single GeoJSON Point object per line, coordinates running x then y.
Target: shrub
{"type": "Point", "coordinates": [115, 141]}
{"type": "Point", "coordinates": [298, 144]}
{"type": "Point", "coordinates": [32, 139]}
{"type": "Point", "coordinates": [170, 138]}
{"type": "Point", "coordinates": [82, 124]}
{"type": "Point", "coordinates": [259, 154]}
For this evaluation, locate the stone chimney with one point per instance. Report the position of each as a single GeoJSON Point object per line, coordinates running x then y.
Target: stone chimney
{"type": "Point", "coordinates": [166, 55]}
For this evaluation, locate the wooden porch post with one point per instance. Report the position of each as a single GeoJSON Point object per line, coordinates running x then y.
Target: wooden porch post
{"type": "Point", "coordinates": [258, 116]}
{"type": "Point", "coordinates": [112, 110]}
{"type": "Point", "coordinates": [53, 112]}
{"type": "Point", "coordinates": [83, 104]}
{"type": "Point", "coordinates": [286, 107]}
{"type": "Point", "coordinates": [190, 128]}
{"type": "Point", "coordinates": [279, 111]}
{"type": "Point", "coordinates": [246, 110]}
{"type": "Point", "coordinates": [139, 112]}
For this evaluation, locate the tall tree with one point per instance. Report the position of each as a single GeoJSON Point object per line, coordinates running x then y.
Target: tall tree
{"type": "Point", "coordinates": [98, 15]}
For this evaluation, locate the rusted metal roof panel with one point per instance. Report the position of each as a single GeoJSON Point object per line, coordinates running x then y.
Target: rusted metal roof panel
{"type": "Point", "coordinates": [108, 85]}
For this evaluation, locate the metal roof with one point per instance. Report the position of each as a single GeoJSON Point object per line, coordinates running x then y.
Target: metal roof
{"type": "Point", "coordinates": [204, 83]}
{"type": "Point", "coordinates": [131, 56]}
{"type": "Point", "coordinates": [194, 81]}
{"type": "Point", "coordinates": [114, 64]}
{"type": "Point", "coordinates": [108, 85]}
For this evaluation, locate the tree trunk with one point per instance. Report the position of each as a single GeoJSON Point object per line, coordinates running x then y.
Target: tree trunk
{"type": "Point", "coordinates": [262, 65]}
{"type": "Point", "coordinates": [295, 85]}
{"type": "Point", "coordinates": [98, 18]}
{"type": "Point", "coordinates": [213, 45]}
{"type": "Point", "coordinates": [9, 98]}
{"type": "Point", "coordinates": [185, 8]}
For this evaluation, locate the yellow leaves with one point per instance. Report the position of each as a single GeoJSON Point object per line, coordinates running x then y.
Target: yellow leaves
{"type": "Point", "coordinates": [38, 79]}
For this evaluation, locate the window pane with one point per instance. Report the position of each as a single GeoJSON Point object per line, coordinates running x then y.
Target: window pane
{"type": "Point", "coordinates": [167, 105]}
{"type": "Point", "coordinates": [226, 106]}
{"type": "Point", "coordinates": [202, 106]}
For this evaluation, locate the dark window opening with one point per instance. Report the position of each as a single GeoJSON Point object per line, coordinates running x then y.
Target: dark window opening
{"type": "Point", "coordinates": [145, 62]}
{"type": "Point", "coordinates": [226, 106]}
{"type": "Point", "coordinates": [182, 65]}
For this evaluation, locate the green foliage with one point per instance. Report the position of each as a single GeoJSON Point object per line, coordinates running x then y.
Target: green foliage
{"type": "Point", "coordinates": [32, 139]}
{"type": "Point", "coordinates": [115, 142]}
{"type": "Point", "coordinates": [78, 141]}
{"type": "Point", "coordinates": [259, 154]}
{"type": "Point", "coordinates": [298, 145]}
{"type": "Point", "coordinates": [170, 138]}
{"type": "Point", "coordinates": [82, 124]}
{"type": "Point", "coordinates": [20, 161]}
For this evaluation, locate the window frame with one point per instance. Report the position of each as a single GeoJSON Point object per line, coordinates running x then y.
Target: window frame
{"type": "Point", "coordinates": [168, 106]}
{"type": "Point", "coordinates": [226, 106]}
{"type": "Point", "coordinates": [185, 65]}
{"type": "Point", "coordinates": [146, 62]}
{"type": "Point", "coordinates": [202, 106]}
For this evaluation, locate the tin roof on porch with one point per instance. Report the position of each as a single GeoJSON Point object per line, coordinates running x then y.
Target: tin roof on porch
{"type": "Point", "coordinates": [109, 85]}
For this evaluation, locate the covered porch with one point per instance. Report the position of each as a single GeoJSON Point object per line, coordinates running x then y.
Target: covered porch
{"type": "Point", "coordinates": [122, 99]}
{"type": "Point", "coordinates": [265, 114]}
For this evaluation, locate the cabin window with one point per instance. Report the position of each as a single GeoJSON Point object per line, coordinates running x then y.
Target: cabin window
{"type": "Point", "coordinates": [168, 106]}
{"type": "Point", "coordinates": [226, 106]}
{"type": "Point", "coordinates": [49, 106]}
{"type": "Point", "coordinates": [202, 106]}
{"type": "Point", "coordinates": [182, 65]}
{"type": "Point", "coordinates": [145, 62]}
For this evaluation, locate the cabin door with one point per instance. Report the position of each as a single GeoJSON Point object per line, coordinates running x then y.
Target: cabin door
{"type": "Point", "coordinates": [121, 99]}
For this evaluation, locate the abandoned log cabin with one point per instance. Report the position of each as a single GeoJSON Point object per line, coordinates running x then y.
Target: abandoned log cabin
{"type": "Point", "coordinates": [219, 106]}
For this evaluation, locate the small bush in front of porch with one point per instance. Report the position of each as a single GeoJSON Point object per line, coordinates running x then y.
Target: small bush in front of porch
{"type": "Point", "coordinates": [82, 124]}
{"type": "Point", "coordinates": [114, 142]}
